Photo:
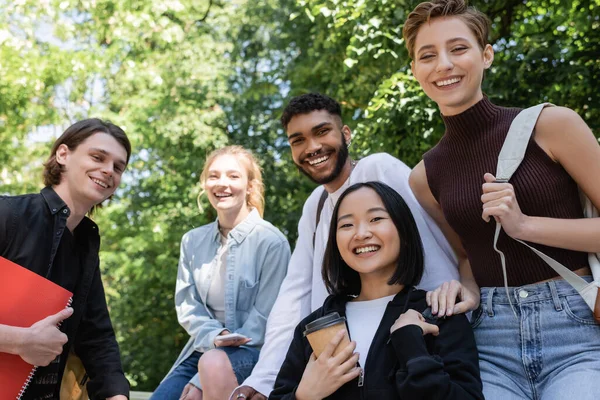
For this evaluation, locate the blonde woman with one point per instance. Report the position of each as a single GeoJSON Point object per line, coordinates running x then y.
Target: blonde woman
{"type": "Point", "coordinates": [229, 275]}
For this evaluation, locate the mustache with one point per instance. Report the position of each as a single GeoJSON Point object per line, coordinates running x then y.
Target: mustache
{"type": "Point", "coordinates": [316, 153]}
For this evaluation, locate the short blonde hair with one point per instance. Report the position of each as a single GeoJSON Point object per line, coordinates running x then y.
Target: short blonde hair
{"type": "Point", "coordinates": [255, 199]}
{"type": "Point", "coordinates": [477, 21]}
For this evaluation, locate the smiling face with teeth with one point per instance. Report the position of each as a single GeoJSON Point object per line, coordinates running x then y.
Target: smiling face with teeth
{"type": "Point", "coordinates": [227, 186]}
{"type": "Point", "coordinates": [367, 239]}
{"type": "Point", "coordinates": [318, 141]}
{"type": "Point", "coordinates": [374, 246]}
{"type": "Point", "coordinates": [449, 64]}
{"type": "Point", "coordinates": [91, 171]}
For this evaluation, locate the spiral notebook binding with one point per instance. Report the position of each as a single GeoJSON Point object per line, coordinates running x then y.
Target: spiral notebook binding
{"type": "Point", "coordinates": [33, 369]}
{"type": "Point", "coordinates": [26, 383]}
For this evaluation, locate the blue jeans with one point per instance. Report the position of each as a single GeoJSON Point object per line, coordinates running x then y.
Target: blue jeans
{"type": "Point", "coordinates": [242, 360]}
{"type": "Point", "coordinates": [550, 351]}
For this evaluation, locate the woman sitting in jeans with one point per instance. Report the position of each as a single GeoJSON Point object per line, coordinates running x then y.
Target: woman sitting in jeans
{"type": "Point", "coordinates": [229, 275]}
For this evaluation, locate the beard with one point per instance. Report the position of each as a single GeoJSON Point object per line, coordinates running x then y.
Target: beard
{"type": "Point", "coordinates": [342, 157]}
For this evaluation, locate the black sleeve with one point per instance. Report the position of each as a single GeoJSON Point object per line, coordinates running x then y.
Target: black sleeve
{"type": "Point", "coordinates": [292, 369]}
{"type": "Point", "coordinates": [451, 372]}
{"type": "Point", "coordinates": [96, 345]}
{"type": "Point", "coordinates": [7, 223]}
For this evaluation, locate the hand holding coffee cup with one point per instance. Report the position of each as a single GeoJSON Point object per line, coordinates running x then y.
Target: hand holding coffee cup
{"type": "Point", "coordinates": [326, 373]}
{"type": "Point", "coordinates": [321, 331]}
{"type": "Point", "coordinates": [413, 317]}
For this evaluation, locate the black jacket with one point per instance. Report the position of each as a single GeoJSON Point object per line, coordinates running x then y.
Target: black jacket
{"type": "Point", "coordinates": [405, 365]}
{"type": "Point", "coordinates": [31, 228]}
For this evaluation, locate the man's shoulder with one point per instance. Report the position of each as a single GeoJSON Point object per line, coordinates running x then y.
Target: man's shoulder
{"type": "Point", "coordinates": [312, 202]}
{"type": "Point", "coordinates": [379, 162]}
{"type": "Point", "coordinates": [380, 167]}
{"type": "Point", "coordinates": [21, 198]}
{"type": "Point", "coordinates": [19, 204]}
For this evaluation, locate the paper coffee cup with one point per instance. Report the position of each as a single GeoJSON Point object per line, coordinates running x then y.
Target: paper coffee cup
{"type": "Point", "coordinates": [320, 332]}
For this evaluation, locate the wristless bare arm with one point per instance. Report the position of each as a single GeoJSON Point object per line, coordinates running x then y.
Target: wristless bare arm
{"type": "Point", "coordinates": [11, 339]}
{"type": "Point", "coordinates": [443, 300]}
{"type": "Point", "coordinates": [567, 140]}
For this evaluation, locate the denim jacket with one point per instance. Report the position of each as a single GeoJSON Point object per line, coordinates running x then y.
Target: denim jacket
{"type": "Point", "coordinates": [257, 259]}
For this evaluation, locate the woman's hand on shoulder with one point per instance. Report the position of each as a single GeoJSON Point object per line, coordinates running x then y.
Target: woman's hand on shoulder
{"type": "Point", "coordinates": [327, 373]}
{"type": "Point", "coordinates": [413, 317]}
{"type": "Point", "coordinates": [443, 299]}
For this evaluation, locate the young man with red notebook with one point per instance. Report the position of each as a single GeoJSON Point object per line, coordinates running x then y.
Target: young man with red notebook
{"type": "Point", "coordinates": [49, 234]}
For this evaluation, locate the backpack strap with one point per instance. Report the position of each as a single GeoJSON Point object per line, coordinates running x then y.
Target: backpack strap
{"type": "Point", "coordinates": [517, 139]}
{"type": "Point", "coordinates": [509, 159]}
{"type": "Point", "coordinates": [322, 199]}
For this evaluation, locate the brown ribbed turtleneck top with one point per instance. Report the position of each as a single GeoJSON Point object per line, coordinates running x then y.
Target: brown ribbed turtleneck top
{"type": "Point", "coordinates": [455, 169]}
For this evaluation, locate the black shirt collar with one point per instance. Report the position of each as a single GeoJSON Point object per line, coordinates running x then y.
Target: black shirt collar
{"type": "Point", "coordinates": [54, 202]}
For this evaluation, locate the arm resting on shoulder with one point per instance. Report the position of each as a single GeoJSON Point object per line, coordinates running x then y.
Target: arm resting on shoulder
{"type": "Point", "coordinates": [445, 296]}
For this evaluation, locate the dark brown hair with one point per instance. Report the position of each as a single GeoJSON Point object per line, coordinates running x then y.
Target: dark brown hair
{"type": "Point", "coordinates": [477, 21]}
{"type": "Point", "coordinates": [76, 134]}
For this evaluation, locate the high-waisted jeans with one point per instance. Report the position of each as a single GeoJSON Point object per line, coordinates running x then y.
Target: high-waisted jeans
{"type": "Point", "coordinates": [549, 351]}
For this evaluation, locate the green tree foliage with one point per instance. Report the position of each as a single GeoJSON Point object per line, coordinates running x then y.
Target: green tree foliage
{"type": "Point", "coordinates": [187, 76]}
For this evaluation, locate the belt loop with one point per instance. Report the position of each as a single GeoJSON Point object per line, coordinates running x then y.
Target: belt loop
{"type": "Point", "coordinates": [555, 299]}
{"type": "Point", "coordinates": [489, 304]}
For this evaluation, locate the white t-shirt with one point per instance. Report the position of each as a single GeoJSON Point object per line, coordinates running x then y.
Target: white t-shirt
{"type": "Point", "coordinates": [363, 319]}
{"type": "Point", "coordinates": [215, 274]}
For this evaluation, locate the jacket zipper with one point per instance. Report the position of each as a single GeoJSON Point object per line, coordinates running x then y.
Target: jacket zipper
{"type": "Point", "coordinates": [361, 378]}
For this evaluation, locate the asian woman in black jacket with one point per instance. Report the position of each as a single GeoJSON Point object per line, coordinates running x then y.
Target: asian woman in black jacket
{"type": "Point", "coordinates": [374, 257]}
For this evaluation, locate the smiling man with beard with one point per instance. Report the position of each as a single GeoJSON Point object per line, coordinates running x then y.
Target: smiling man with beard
{"type": "Point", "coordinates": [319, 143]}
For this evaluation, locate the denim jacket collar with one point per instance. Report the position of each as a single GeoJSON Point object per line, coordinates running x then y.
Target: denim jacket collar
{"type": "Point", "coordinates": [241, 230]}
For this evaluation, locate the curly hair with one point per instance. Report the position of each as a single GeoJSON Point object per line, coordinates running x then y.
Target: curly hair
{"type": "Point", "coordinates": [76, 134]}
{"type": "Point", "coordinates": [255, 198]}
{"type": "Point", "coordinates": [308, 103]}
{"type": "Point", "coordinates": [477, 21]}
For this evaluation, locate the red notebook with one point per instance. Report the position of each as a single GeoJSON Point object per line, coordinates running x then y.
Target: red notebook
{"type": "Point", "coordinates": [25, 298]}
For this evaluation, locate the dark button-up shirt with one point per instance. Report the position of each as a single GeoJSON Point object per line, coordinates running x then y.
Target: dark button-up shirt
{"type": "Point", "coordinates": [31, 230]}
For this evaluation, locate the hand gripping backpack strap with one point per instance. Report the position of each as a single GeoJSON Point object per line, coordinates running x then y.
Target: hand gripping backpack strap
{"type": "Point", "coordinates": [511, 156]}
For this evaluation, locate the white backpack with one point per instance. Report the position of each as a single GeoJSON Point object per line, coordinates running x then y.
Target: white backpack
{"type": "Point", "coordinates": [511, 155]}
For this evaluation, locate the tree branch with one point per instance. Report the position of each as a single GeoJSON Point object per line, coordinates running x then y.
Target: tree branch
{"type": "Point", "coordinates": [210, 3]}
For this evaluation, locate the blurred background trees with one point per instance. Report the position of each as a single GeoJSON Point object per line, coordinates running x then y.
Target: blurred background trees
{"type": "Point", "coordinates": [186, 76]}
